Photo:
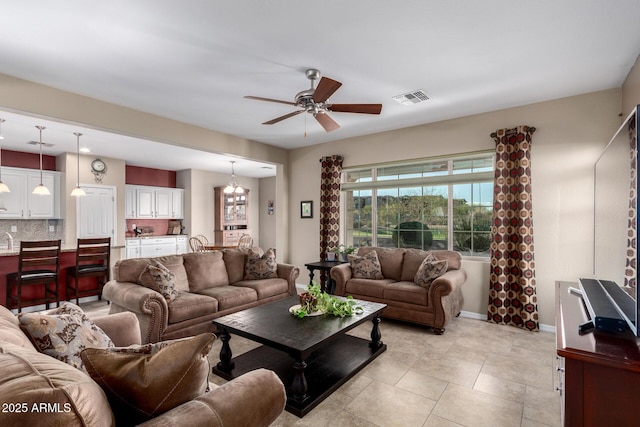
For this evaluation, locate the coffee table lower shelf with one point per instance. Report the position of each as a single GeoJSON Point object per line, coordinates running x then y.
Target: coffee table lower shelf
{"type": "Point", "coordinates": [327, 368]}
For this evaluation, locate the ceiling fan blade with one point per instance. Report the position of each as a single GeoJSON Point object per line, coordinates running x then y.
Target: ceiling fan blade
{"type": "Point", "coordinates": [281, 118]}
{"type": "Point", "coordinates": [327, 122]}
{"type": "Point", "coordinates": [259, 98]}
{"type": "Point", "coordinates": [325, 89]}
{"type": "Point", "coordinates": [356, 108]}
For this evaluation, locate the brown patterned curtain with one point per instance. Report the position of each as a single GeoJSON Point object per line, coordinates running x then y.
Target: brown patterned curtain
{"type": "Point", "coordinates": [512, 292]}
{"type": "Point", "coordinates": [630, 269]}
{"type": "Point", "coordinates": [330, 203]}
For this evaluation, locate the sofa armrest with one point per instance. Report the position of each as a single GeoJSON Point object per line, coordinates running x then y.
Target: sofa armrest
{"type": "Point", "coordinates": [340, 274]}
{"type": "Point", "coordinates": [290, 273]}
{"type": "Point", "coordinates": [450, 282]}
{"type": "Point", "coordinates": [148, 305]}
{"type": "Point", "coordinates": [256, 398]}
{"type": "Point", "coordinates": [123, 328]}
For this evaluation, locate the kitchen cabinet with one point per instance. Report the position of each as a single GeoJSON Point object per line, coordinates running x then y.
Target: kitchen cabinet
{"type": "Point", "coordinates": [132, 248]}
{"type": "Point", "coordinates": [154, 202]}
{"type": "Point", "coordinates": [148, 247]}
{"type": "Point", "coordinates": [231, 219]}
{"type": "Point", "coordinates": [161, 246]}
{"type": "Point", "coordinates": [130, 211]}
{"type": "Point", "coordinates": [21, 203]}
{"type": "Point", "coordinates": [182, 245]}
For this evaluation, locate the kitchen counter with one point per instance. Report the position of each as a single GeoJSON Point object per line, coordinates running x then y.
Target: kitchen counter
{"type": "Point", "coordinates": [64, 248]}
{"type": "Point", "coordinates": [156, 236]}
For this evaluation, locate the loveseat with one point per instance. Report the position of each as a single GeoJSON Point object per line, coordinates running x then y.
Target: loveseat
{"type": "Point", "coordinates": [432, 304]}
{"type": "Point", "coordinates": [208, 285]}
{"type": "Point", "coordinates": [37, 389]}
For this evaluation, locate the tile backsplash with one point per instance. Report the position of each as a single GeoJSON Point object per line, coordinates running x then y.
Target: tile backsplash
{"type": "Point", "coordinates": [30, 229]}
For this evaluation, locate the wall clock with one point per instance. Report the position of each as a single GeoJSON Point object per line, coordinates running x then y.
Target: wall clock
{"type": "Point", "coordinates": [98, 168]}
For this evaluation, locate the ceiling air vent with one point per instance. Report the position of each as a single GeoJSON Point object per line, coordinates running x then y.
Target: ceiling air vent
{"type": "Point", "coordinates": [44, 144]}
{"type": "Point", "coordinates": [410, 98]}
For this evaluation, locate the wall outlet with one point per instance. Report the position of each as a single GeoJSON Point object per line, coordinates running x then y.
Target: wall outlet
{"type": "Point", "coordinates": [52, 228]}
{"type": "Point", "coordinates": [14, 228]}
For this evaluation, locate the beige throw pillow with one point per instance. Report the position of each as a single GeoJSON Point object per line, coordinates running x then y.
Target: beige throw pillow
{"type": "Point", "coordinates": [260, 267]}
{"type": "Point", "coordinates": [159, 278]}
{"type": "Point", "coordinates": [430, 269]}
{"type": "Point", "coordinates": [366, 266]}
{"type": "Point", "coordinates": [145, 381]}
{"type": "Point", "coordinates": [63, 333]}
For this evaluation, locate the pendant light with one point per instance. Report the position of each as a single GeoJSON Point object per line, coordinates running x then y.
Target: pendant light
{"type": "Point", "coordinates": [40, 188]}
{"type": "Point", "coordinates": [233, 186]}
{"type": "Point", "coordinates": [3, 187]}
{"type": "Point", "coordinates": [77, 192]}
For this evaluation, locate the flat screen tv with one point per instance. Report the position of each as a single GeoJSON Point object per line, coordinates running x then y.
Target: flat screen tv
{"type": "Point", "coordinates": [616, 221]}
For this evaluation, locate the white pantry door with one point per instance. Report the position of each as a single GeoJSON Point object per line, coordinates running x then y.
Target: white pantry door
{"type": "Point", "coordinates": [95, 212]}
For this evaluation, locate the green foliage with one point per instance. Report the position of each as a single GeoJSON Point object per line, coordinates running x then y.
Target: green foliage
{"type": "Point", "coordinates": [412, 234]}
{"type": "Point", "coordinates": [325, 303]}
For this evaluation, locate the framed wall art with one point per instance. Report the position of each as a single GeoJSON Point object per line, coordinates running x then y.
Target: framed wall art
{"type": "Point", "coordinates": [306, 209]}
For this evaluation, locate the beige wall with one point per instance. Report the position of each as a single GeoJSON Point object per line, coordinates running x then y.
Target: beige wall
{"type": "Point", "coordinates": [570, 134]}
{"type": "Point", "coordinates": [631, 89]}
{"type": "Point", "coordinates": [267, 222]}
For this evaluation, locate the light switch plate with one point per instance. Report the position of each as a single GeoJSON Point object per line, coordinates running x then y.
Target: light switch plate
{"type": "Point", "coordinates": [52, 228]}
{"type": "Point", "coordinates": [14, 228]}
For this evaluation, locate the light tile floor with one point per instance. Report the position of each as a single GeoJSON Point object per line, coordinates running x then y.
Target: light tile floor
{"type": "Point", "coordinates": [476, 374]}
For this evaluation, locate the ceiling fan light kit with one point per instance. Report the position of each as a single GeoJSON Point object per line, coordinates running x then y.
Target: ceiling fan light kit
{"type": "Point", "coordinates": [314, 102]}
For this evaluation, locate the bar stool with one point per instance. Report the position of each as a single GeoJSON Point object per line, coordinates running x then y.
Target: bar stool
{"type": "Point", "coordinates": [92, 260]}
{"type": "Point", "coordinates": [32, 260]}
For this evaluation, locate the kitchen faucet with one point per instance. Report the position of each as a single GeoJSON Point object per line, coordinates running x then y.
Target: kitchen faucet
{"type": "Point", "coordinates": [9, 241]}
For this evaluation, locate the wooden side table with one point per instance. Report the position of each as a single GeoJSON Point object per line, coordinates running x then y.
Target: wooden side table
{"type": "Point", "coordinates": [327, 284]}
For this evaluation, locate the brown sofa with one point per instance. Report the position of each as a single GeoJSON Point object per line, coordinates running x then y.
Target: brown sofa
{"type": "Point", "coordinates": [210, 285]}
{"type": "Point", "coordinates": [434, 306]}
{"type": "Point", "coordinates": [65, 396]}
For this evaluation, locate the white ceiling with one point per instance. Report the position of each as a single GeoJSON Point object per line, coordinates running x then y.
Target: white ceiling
{"type": "Point", "coordinates": [193, 61]}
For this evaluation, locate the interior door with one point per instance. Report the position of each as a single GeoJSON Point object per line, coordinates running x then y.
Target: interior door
{"type": "Point", "coordinates": [96, 212]}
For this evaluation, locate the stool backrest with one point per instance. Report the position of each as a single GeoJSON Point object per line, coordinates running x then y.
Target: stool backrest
{"type": "Point", "coordinates": [34, 254]}
{"type": "Point", "coordinates": [93, 251]}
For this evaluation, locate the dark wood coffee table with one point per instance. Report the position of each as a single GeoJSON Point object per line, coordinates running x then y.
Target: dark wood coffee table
{"type": "Point", "coordinates": [312, 356]}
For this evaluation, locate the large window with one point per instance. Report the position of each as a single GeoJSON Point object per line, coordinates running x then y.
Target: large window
{"type": "Point", "coordinates": [442, 203]}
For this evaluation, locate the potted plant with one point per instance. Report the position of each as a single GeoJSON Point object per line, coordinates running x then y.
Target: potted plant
{"type": "Point", "coordinates": [342, 251]}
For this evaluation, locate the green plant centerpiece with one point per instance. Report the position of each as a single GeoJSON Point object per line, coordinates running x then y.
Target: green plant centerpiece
{"type": "Point", "coordinates": [342, 251]}
{"type": "Point", "coordinates": [315, 300]}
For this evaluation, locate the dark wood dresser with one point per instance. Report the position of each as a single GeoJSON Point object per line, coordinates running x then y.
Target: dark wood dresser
{"type": "Point", "coordinates": [599, 373]}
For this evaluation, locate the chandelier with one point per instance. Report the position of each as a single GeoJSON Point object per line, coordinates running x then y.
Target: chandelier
{"type": "Point", "coordinates": [233, 186]}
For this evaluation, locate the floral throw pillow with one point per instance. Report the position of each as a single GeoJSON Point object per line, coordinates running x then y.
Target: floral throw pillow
{"type": "Point", "coordinates": [366, 267]}
{"type": "Point", "coordinates": [63, 333]}
{"type": "Point", "coordinates": [159, 278]}
{"type": "Point", "coordinates": [260, 267]}
{"type": "Point", "coordinates": [430, 269]}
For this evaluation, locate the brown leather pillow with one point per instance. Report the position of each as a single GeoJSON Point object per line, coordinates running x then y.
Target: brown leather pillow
{"type": "Point", "coordinates": [142, 382]}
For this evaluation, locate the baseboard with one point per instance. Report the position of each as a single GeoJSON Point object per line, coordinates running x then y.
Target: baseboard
{"type": "Point", "coordinates": [478, 316]}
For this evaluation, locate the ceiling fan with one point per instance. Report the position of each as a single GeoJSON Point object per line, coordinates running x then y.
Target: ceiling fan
{"type": "Point", "coordinates": [314, 101]}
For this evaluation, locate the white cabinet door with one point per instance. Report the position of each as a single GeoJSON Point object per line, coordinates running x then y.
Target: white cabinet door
{"type": "Point", "coordinates": [177, 200]}
{"type": "Point", "coordinates": [163, 203]}
{"type": "Point", "coordinates": [130, 203]}
{"type": "Point", "coordinates": [132, 248]}
{"type": "Point", "coordinates": [40, 206]}
{"type": "Point", "coordinates": [182, 245]}
{"type": "Point", "coordinates": [145, 202]}
{"type": "Point", "coordinates": [16, 200]}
